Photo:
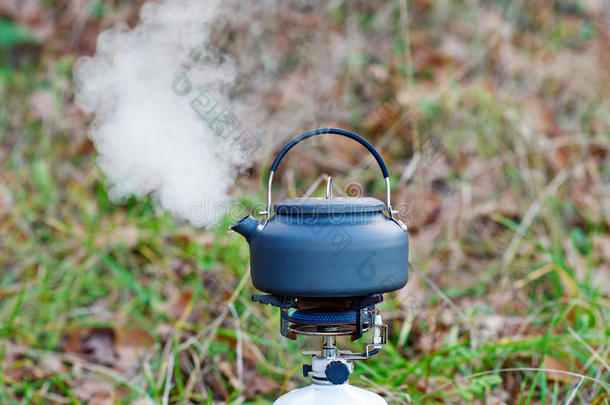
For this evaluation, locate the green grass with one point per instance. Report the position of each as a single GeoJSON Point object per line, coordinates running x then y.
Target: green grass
{"type": "Point", "coordinates": [70, 258]}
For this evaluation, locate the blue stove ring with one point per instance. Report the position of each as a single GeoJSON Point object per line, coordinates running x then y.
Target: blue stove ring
{"type": "Point", "coordinates": [327, 318]}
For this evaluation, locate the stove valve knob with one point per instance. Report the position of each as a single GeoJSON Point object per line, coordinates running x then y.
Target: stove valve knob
{"type": "Point", "coordinates": [307, 368]}
{"type": "Point", "coordinates": [337, 372]}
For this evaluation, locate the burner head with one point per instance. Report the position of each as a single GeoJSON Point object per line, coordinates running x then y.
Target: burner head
{"type": "Point", "coordinates": [331, 317]}
{"type": "Point", "coordinates": [334, 323]}
{"type": "Point", "coordinates": [324, 316]}
{"type": "Point", "coordinates": [339, 304]}
{"type": "Point", "coordinates": [327, 318]}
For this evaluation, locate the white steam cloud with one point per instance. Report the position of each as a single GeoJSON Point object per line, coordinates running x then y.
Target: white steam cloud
{"type": "Point", "coordinates": [149, 133]}
{"type": "Point", "coordinates": [177, 105]}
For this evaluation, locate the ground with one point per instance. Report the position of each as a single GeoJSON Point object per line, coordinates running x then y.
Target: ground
{"type": "Point", "coordinates": [494, 119]}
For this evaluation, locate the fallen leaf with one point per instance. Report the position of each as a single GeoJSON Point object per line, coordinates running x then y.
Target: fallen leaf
{"type": "Point", "coordinates": [218, 390]}
{"type": "Point", "coordinates": [90, 390]}
{"type": "Point", "coordinates": [52, 364]}
{"type": "Point", "coordinates": [119, 348]}
{"type": "Point", "coordinates": [178, 303]}
{"type": "Point", "coordinates": [96, 344]}
{"type": "Point", "coordinates": [133, 337]}
{"type": "Point", "coordinates": [227, 370]}
{"type": "Point", "coordinates": [131, 345]}
{"type": "Point", "coordinates": [257, 384]}
{"type": "Point", "coordinates": [555, 364]}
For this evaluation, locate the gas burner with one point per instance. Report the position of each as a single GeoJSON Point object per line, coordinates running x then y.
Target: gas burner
{"type": "Point", "coordinates": [334, 323]}
{"type": "Point", "coordinates": [327, 318]}
{"type": "Point", "coordinates": [321, 330]}
{"type": "Point", "coordinates": [342, 316]}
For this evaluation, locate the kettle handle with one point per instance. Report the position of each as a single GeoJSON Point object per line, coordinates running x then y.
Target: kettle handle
{"type": "Point", "coordinates": [336, 131]}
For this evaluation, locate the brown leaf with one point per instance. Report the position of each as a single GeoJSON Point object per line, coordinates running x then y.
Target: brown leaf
{"type": "Point", "coordinates": [52, 364]}
{"type": "Point", "coordinates": [178, 303]}
{"type": "Point", "coordinates": [256, 384]}
{"type": "Point", "coordinates": [96, 344]}
{"type": "Point", "coordinates": [128, 359]}
{"type": "Point", "coordinates": [227, 370]}
{"type": "Point", "coordinates": [427, 57]}
{"type": "Point", "coordinates": [133, 337]}
{"type": "Point", "coordinates": [185, 236]}
{"type": "Point", "coordinates": [119, 348]}
{"type": "Point", "coordinates": [218, 390]}
{"type": "Point", "coordinates": [92, 391]}
{"type": "Point", "coordinates": [131, 345]}
{"type": "Point", "coordinates": [555, 364]}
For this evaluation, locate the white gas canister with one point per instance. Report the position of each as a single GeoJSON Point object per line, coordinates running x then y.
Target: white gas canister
{"type": "Point", "coordinates": [324, 394]}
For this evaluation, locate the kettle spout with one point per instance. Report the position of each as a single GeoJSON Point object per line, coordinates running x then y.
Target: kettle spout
{"type": "Point", "coordinates": [246, 227]}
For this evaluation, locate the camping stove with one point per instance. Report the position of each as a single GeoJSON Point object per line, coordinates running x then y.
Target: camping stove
{"type": "Point", "coordinates": [325, 263]}
{"type": "Point", "coordinates": [330, 367]}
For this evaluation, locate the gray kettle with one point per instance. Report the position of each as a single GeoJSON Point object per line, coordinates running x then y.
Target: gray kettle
{"type": "Point", "coordinates": [327, 247]}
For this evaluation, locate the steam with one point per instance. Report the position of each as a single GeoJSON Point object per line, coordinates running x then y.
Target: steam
{"type": "Point", "coordinates": [179, 110]}
{"type": "Point", "coordinates": [148, 136]}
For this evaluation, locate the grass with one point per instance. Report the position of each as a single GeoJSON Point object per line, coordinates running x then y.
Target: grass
{"type": "Point", "coordinates": [505, 279]}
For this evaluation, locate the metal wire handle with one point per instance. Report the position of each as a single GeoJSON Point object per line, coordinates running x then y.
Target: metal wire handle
{"type": "Point", "coordinates": [336, 131]}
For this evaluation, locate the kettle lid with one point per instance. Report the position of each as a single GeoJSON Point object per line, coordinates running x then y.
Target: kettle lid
{"type": "Point", "coordinates": [334, 205]}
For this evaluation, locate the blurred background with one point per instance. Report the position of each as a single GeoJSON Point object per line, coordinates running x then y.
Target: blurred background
{"type": "Point", "coordinates": [494, 120]}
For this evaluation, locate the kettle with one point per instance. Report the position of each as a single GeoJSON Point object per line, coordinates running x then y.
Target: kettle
{"type": "Point", "coordinates": [327, 247]}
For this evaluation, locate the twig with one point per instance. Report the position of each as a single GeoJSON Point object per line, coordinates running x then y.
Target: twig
{"type": "Point", "coordinates": [404, 24]}
{"type": "Point", "coordinates": [574, 392]}
{"type": "Point", "coordinates": [409, 170]}
{"type": "Point", "coordinates": [312, 188]}
{"type": "Point", "coordinates": [168, 378]}
{"type": "Point", "coordinates": [239, 349]}
{"type": "Point", "coordinates": [589, 348]}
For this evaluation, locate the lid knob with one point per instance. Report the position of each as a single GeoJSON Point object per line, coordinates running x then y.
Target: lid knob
{"type": "Point", "coordinates": [329, 187]}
